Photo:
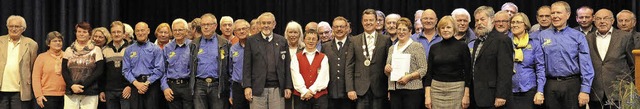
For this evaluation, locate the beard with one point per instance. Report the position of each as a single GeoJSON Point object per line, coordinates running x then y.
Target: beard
{"type": "Point", "coordinates": [484, 31]}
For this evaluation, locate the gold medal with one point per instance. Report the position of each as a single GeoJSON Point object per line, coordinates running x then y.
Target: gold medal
{"type": "Point", "coordinates": [208, 80]}
{"type": "Point", "coordinates": [367, 62]}
{"type": "Point", "coordinates": [116, 63]}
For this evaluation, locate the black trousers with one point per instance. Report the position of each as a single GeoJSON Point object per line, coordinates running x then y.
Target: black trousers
{"type": "Point", "coordinates": [11, 100]}
{"type": "Point", "coordinates": [523, 100]}
{"type": "Point", "coordinates": [562, 94]}
{"type": "Point", "coordinates": [116, 101]}
{"type": "Point", "coordinates": [341, 103]}
{"type": "Point", "coordinates": [239, 101]}
{"type": "Point", "coordinates": [321, 102]}
{"type": "Point", "coordinates": [54, 102]}
{"type": "Point", "coordinates": [370, 101]}
{"type": "Point", "coordinates": [148, 100]}
{"type": "Point", "coordinates": [182, 98]}
{"type": "Point", "coordinates": [407, 99]}
{"type": "Point", "coordinates": [206, 96]}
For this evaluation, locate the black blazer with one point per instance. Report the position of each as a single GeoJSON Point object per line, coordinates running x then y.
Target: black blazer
{"type": "Point", "coordinates": [636, 39]}
{"type": "Point", "coordinates": [253, 72]}
{"type": "Point", "coordinates": [340, 62]}
{"type": "Point", "coordinates": [617, 64]}
{"type": "Point", "coordinates": [223, 63]}
{"type": "Point", "coordinates": [370, 77]}
{"type": "Point", "coordinates": [493, 69]}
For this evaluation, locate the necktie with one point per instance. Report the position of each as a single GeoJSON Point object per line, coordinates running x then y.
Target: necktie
{"type": "Point", "coordinates": [339, 45]}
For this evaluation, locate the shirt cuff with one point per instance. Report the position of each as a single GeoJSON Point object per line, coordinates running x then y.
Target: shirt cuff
{"type": "Point", "coordinates": [585, 89]}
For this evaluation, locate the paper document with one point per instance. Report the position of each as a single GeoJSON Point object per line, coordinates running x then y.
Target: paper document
{"type": "Point", "coordinates": [400, 65]}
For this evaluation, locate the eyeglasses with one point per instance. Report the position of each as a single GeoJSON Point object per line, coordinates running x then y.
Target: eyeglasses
{"type": "Point", "coordinates": [325, 32]}
{"type": "Point", "coordinates": [14, 27]}
{"type": "Point", "coordinates": [517, 22]}
{"type": "Point", "coordinates": [403, 30]}
{"type": "Point", "coordinates": [501, 21]}
{"type": "Point", "coordinates": [209, 24]}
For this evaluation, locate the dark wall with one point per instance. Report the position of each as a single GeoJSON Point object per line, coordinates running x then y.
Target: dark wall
{"type": "Point", "coordinates": [61, 15]}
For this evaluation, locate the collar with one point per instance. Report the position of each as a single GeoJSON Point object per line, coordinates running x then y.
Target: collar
{"type": "Point", "coordinates": [589, 30]}
{"type": "Point", "coordinates": [121, 44]}
{"type": "Point", "coordinates": [606, 34]}
{"type": "Point", "coordinates": [265, 37]}
{"type": "Point", "coordinates": [372, 34]}
{"type": "Point", "coordinates": [310, 52]}
{"type": "Point", "coordinates": [11, 40]}
{"type": "Point", "coordinates": [212, 37]}
{"type": "Point", "coordinates": [338, 40]}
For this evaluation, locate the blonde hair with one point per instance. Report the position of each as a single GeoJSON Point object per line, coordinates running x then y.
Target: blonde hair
{"type": "Point", "coordinates": [296, 26]}
{"type": "Point", "coordinates": [104, 31]}
{"type": "Point", "coordinates": [162, 25]}
{"type": "Point", "coordinates": [445, 21]}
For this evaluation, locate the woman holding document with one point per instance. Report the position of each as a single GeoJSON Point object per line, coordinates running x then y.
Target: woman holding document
{"type": "Point", "coordinates": [406, 65]}
{"type": "Point", "coordinates": [449, 74]}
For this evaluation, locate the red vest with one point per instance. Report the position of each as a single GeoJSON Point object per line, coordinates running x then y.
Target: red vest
{"type": "Point", "coordinates": [309, 72]}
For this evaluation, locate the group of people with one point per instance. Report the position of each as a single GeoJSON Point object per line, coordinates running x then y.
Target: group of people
{"type": "Point", "coordinates": [436, 63]}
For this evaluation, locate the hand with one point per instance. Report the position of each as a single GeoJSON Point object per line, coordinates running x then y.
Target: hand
{"type": "Point", "coordinates": [389, 96]}
{"type": "Point", "coordinates": [306, 97]}
{"type": "Point", "coordinates": [465, 98]}
{"type": "Point", "coordinates": [538, 99]}
{"type": "Point", "coordinates": [168, 94]}
{"type": "Point", "coordinates": [248, 94]}
{"type": "Point", "coordinates": [387, 69]}
{"type": "Point", "coordinates": [427, 102]}
{"type": "Point", "coordinates": [500, 102]}
{"type": "Point", "coordinates": [142, 87]}
{"type": "Point", "coordinates": [41, 101]}
{"type": "Point", "coordinates": [583, 98]}
{"type": "Point", "coordinates": [126, 93]}
{"type": "Point", "coordinates": [352, 95]}
{"type": "Point", "coordinates": [77, 88]}
{"type": "Point", "coordinates": [287, 93]}
{"type": "Point", "coordinates": [102, 97]}
{"type": "Point", "coordinates": [230, 100]}
{"type": "Point", "coordinates": [404, 79]}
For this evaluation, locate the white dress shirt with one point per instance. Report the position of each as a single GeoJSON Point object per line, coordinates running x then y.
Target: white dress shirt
{"type": "Point", "coordinates": [602, 42]}
{"type": "Point", "coordinates": [11, 76]}
{"type": "Point", "coordinates": [322, 79]}
{"type": "Point", "coordinates": [371, 42]}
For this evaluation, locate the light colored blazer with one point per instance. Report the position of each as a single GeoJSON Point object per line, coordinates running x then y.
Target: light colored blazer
{"type": "Point", "coordinates": [28, 53]}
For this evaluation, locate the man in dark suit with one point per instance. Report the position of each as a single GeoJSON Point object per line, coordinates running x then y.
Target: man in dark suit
{"type": "Point", "coordinates": [492, 63]}
{"type": "Point", "coordinates": [584, 17]}
{"type": "Point", "coordinates": [612, 60]}
{"type": "Point", "coordinates": [367, 85]}
{"type": "Point", "coordinates": [626, 21]}
{"type": "Point", "coordinates": [266, 73]}
{"type": "Point", "coordinates": [340, 55]}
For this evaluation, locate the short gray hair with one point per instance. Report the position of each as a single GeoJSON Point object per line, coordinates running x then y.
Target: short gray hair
{"type": "Point", "coordinates": [226, 18]}
{"type": "Point", "coordinates": [180, 21]}
{"type": "Point", "coordinates": [626, 11]}
{"type": "Point", "coordinates": [23, 23]}
{"type": "Point", "coordinates": [325, 25]}
{"type": "Point", "coordinates": [461, 11]}
{"type": "Point", "coordinates": [487, 10]}
{"type": "Point", "coordinates": [393, 15]}
{"type": "Point", "coordinates": [563, 3]}
{"type": "Point", "coordinates": [509, 4]}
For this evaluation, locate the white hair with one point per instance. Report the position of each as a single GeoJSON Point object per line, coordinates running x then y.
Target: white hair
{"type": "Point", "coordinates": [23, 23]}
{"type": "Point", "coordinates": [180, 21]}
{"type": "Point", "coordinates": [226, 18]}
{"type": "Point", "coordinates": [294, 25]}
{"type": "Point", "coordinates": [461, 11]}
{"type": "Point", "coordinates": [393, 15]}
{"type": "Point", "coordinates": [509, 4]}
{"type": "Point", "coordinates": [324, 25]}
{"type": "Point", "coordinates": [128, 29]}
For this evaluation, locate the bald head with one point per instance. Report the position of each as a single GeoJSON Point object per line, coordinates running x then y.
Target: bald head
{"type": "Point", "coordinates": [142, 32]}
{"type": "Point", "coordinates": [604, 20]}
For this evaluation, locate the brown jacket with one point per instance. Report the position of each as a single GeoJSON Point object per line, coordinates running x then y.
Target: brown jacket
{"type": "Point", "coordinates": [28, 54]}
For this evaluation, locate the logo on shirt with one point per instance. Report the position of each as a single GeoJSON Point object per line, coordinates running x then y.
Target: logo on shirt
{"type": "Point", "coordinates": [221, 54]}
{"type": "Point", "coordinates": [173, 53]}
{"type": "Point", "coordinates": [235, 54]}
{"type": "Point", "coordinates": [200, 51]}
{"type": "Point", "coordinates": [547, 42]}
{"type": "Point", "coordinates": [133, 54]}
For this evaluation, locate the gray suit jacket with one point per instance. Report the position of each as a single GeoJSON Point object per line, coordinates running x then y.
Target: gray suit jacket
{"type": "Point", "coordinates": [370, 77]}
{"type": "Point", "coordinates": [636, 39]}
{"type": "Point", "coordinates": [617, 64]}
{"type": "Point", "coordinates": [340, 62]}
{"type": "Point", "coordinates": [28, 53]}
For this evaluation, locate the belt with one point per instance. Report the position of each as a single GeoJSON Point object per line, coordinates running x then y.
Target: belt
{"type": "Point", "coordinates": [562, 78]}
{"type": "Point", "coordinates": [209, 79]}
{"type": "Point", "coordinates": [142, 78]}
{"type": "Point", "coordinates": [178, 81]}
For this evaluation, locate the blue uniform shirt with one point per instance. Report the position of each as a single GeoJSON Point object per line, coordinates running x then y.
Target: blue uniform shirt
{"type": "Point", "coordinates": [425, 43]}
{"type": "Point", "coordinates": [143, 60]}
{"type": "Point", "coordinates": [531, 71]}
{"type": "Point", "coordinates": [237, 59]}
{"type": "Point", "coordinates": [178, 62]}
{"type": "Point", "coordinates": [566, 53]}
{"type": "Point", "coordinates": [208, 57]}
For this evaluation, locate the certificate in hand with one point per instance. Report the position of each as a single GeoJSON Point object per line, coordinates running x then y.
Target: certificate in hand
{"type": "Point", "coordinates": [400, 64]}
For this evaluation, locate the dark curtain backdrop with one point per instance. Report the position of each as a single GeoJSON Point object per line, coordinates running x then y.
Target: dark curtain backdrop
{"type": "Point", "coordinates": [61, 15]}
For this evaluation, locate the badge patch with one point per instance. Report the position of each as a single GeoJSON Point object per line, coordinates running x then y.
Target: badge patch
{"type": "Point", "coordinates": [133, 54]}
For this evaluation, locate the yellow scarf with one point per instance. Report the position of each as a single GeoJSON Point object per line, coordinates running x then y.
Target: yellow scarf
{"type": "Point", "coordinates": [520, 43]}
